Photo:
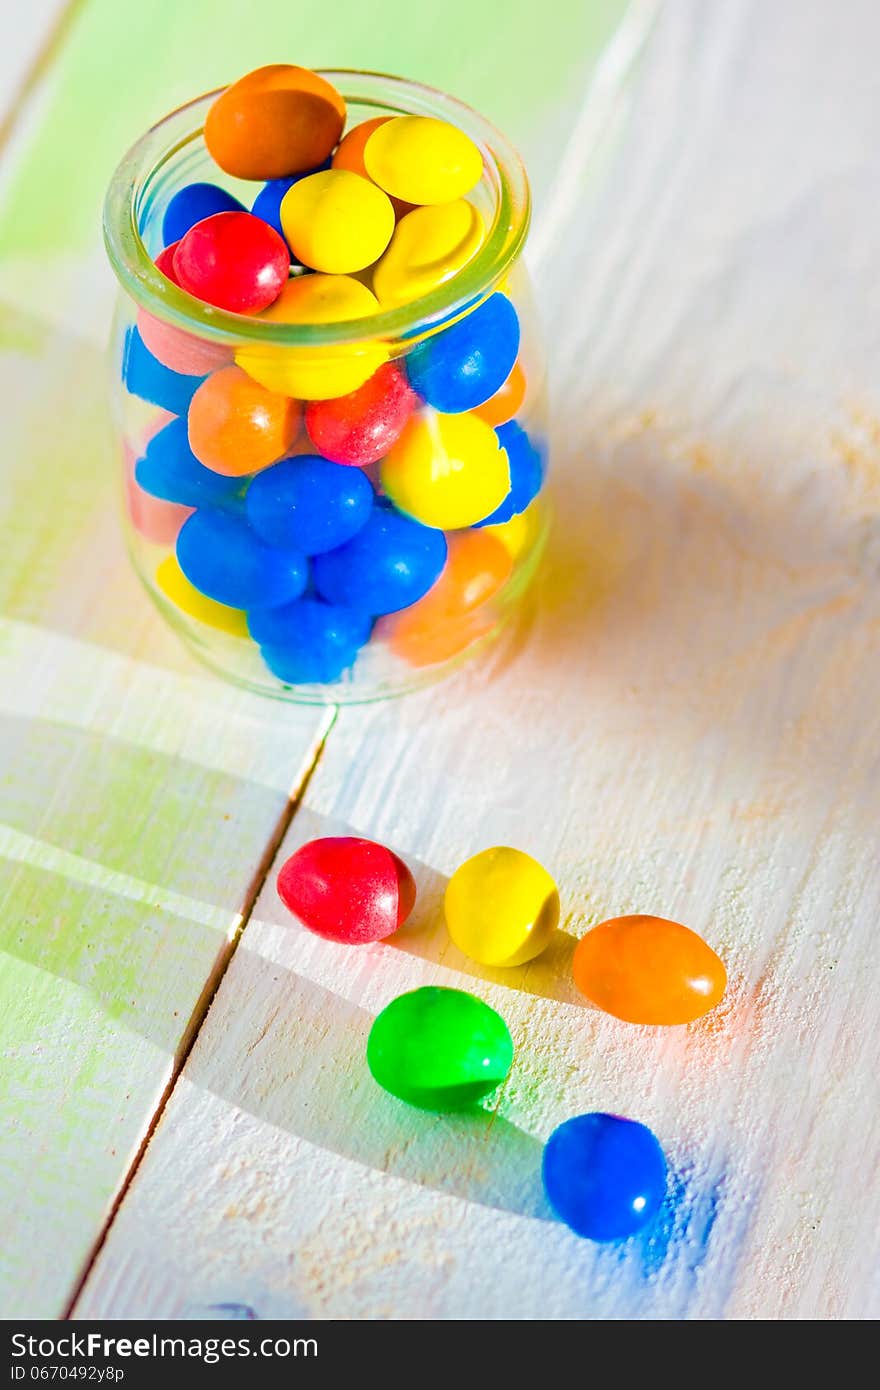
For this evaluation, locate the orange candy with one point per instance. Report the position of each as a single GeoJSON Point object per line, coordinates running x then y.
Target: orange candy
{"type": "Point", "coordinates": [452, 614]}
{"type": "Point", "coordinates": [236, 426]}
{"type": "Point", "coordinates": [350, 155]}
{"type": "Point", "coordinates": [648, 970]}
{"type": "Point", "coordinates": [276, 121]}
{"type": "Point", "coordinates": [501, 407]}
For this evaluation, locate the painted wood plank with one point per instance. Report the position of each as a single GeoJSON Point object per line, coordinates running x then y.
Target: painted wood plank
{"type": "Point", "coordinates": [137, 799]}
{"type": "Point", "coordinates": [686, 724]}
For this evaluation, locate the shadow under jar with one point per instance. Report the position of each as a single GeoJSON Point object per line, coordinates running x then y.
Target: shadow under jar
{"type": "Point", "coordinates": [450, 520]}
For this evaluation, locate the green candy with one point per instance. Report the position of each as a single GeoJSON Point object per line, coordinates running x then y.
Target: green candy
{"type": "Point", "coordinates": [439, 1049]}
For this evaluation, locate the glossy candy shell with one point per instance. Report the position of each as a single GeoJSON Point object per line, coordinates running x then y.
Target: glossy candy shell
{"type": "Point", "coordinates": [222, 558]}
{"type": "Point", "coordinates": [360, 428]}
{"type": "Point", "coordinates": [347, 889]}
{"type": "Point", "coordinates": [234, 261]}
{"type": "Point", "coordinates": [501, 907]}
{"type": "Point", "coordinates": [648, 970]}
{"type": "Point", "coordinates": [236, 426]}
{"type": "Point", "coordinates": [604, 1176]}
{"type": "Point", "coordinates": [275, 121]}
{"type": "Point", "coordinates": [439, 1049]}
{"type": "Point", "coordinates": [464, 365]}
{"type": "Point", "coordinates": [309, 503]}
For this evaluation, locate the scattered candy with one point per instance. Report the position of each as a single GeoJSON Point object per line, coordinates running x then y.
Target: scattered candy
{"type": "Point", "coordinates": [462, 366]}
{"type": "Point", "coordinates": [309, 642]}
{"type": "Point", "coordinates": [347, 889]}
{"type": "Point", "coordinates": [447, 471]}
{"type": "Point", "coordinates": [236, 426]}
{"type": "Point", "coordinates": [501, 907]}
{"type": "Point", "coordinates": [174, 584]}
{"type": "Point", "coordinates": [234, 261]}
{"type": "Point", "coordinates": [191, 204]}
{"type": "Point", "coordinates": [309, 503]}
{"type": "Point", "coordinates": [337, 221]}
{"type": "Point", "coordinates": [604, 1176]}
{"type": "Point", "coordinates": [145, 376]}
{"type": "Point", "coordinates": [526, 473]}
{"type": "Point", "coordinates": [361, 427]}
{"type": "Point", "coordinates": [389, 564]}
{"type": "Point", "coordinates": [429, 246]}
{"type": "Point", "coordinates": [439, 1049]}
{"type": "Point", "coordinates": [422, 160]}
{"type": "Point", "coordinates": [276, 121]}
{"type": "Point", "coordinates": [323, 371]}
{"type": "Point", "coordinates": [648, 970]}
{"type": "Point", "coordinates": [222, 558]}
{"type": "Point", "coordinates": [169, 469]}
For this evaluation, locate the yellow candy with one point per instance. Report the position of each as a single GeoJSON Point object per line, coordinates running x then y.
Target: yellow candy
{"type": "Point", "coordinates": [519, 533]}
{"type": "Point", "coordinates": [177, 589]}
{"type": "Point", "coordinates": [316, 373]}
{"type": "Point", "coordinates": [501, 907]}
{"type": "Point", "coordinates": [337, 221]}
{"type": "Point", "coordinates": [422, 160]}
{"type": "Point", "coordinates": [447, 471]}
{"type": "Point", "coordinates": [429, 246]}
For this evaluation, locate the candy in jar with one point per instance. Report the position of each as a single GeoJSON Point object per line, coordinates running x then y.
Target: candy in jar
{"type": "Point", "coordinates": [222, 558]}
{"type": "Point", "coordinates": [448, 471]}
{"type": "Point", "coordinates": [389, 564]}
{"type": "Point", "coordinates": [463, 365]}
{"type": "Point", "coordinates": [275, 121]}
{"type": "Point", "coordinates": [309, 503]}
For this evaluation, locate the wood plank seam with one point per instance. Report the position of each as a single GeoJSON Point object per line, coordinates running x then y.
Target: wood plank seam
{"type": "Point", "coordinates": [206, 999]}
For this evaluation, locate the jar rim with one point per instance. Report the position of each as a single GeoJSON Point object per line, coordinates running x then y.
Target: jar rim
{"type": "Point", "coordinates": [151, 290]}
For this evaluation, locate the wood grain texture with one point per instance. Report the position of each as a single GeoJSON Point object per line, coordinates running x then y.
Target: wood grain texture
{"type": "Point", "coordinates": [687, 723]}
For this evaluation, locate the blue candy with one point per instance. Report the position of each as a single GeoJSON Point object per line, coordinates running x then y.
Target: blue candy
{"type": "Point", "coordinates": [267, 203]}
{"type": "Point", "coordinates": [604, 1176]}
{"type": "Point", "coordinates": [145, 376]}
{"type": "Point", "coordinates": [309, 641]}
{"type": "Point", "coordinates": [391, 563]}
{"type": "Point", "coordinates": [170, 469]}
{"type": "Point", "coordinates": [462, 366]}
{"type": "Point", "coordinates": [221, 556]}
{"type": "Point", "coordinates": [191, 204]}
{"type": "Point", "coordinates": [309, 503]}
{"type": "Point", "coordinates": [526, 473]}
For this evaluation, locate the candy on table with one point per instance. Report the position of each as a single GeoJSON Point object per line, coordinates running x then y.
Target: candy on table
{"type": "Point", "coordinates": [337, 222]}
{"type": "Point", "coordinates": [501, 907]}
{"type": "Point", "coordinates": [361, 427]}
{"type": "Point", "coordinates": [220, 555]}
{"type": "Point", "coordinates": [236, 426]}
{"type": "Point", "coordinates": [463, 365]}
{"type": "Point", "coordinates": [648, 970]}
{"type": "Point", "coordinates": [422, 160]}
{"type": "Point", "coordinates": [604, 1176]}
{"type": "Point", "coordinates": [447, 471]}
{"type": "Point", "coordinates": [453, 613]}
{"type": "Point", "coordinates": [309, 503]}
{"type": "Point", "coordinates": [174, 347]}
{"type": "Point", "coordinates": [526, 473]}
{"type": "Point", "coordinates": [501, 407]}
{"type": "Point", "coordinates": [327, 370]}
{"type": "Point", "coordinates": [389, 564]}
{"type": "Point", "coordinates": [350, 155]}
{"type": "Point", "coordinates": [347, 889]}
{"type": "Point", "coordinates": [309, 641]}
{"type": "Point", "coordinates": [146, 377]}
{"type": "Point", "coordinates": [439, 1049]}
{"type": "Point", "coordinates": [234, 261]}
{"type": "Point", "coordinates": [429, 246]}
{"type": "Point", "coordinates": [267, 203]}
{"type": "Point", "coordinates": [169, 469]}
{"type": "Point", "coordinates": [275, 121]}
{"type": "Point", "coordinates": [191, 204]}
{"type": "Point", "coordinates": [174, 584]}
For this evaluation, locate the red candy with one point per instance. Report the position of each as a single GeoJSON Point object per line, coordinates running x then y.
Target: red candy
{"type": "Point", "coordinates": [347, 889]}
{"type": "Point", "coordinates": [234, 261]}
{"type": "Point", "coordinates": [361, 427]}
{"type": "Point", "coordinates": [173, 347]}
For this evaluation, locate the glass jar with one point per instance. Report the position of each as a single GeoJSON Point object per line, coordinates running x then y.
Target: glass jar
{"type": "Point", "coordinates": [453, 532]}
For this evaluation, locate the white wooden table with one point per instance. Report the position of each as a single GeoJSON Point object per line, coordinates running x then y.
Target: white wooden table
{"type": "Point", "coordinates": [687, 723]}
